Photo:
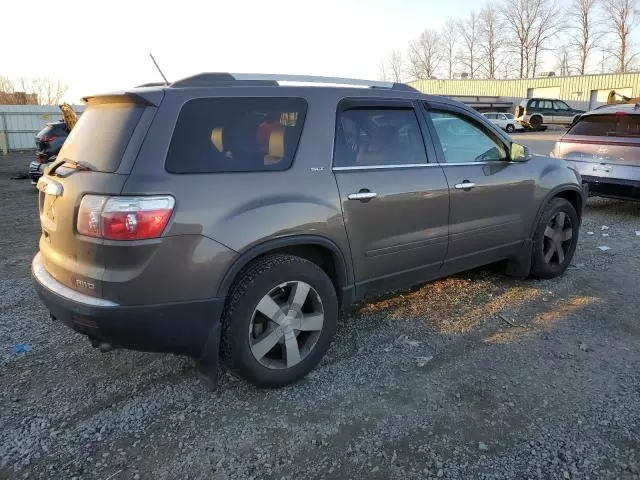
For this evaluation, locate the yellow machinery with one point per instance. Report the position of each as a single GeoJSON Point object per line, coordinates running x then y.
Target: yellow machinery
{"type": "Point", "coordinates": [613, 99]}
{"type": "Point", "coordinates": [69, 116]}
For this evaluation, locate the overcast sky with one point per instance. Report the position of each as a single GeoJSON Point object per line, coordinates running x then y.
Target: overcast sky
{"type": "Point", "coordinates": [98, 46]}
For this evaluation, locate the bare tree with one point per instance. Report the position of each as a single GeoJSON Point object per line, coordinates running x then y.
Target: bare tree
{"type": "Point", "coordinates": [563, 65]}
{"type": "Point", "coordinates": [621, 17]}
{"type": "Point", "coordinates": [396, 65]}
{"type": "Point", "coordinates": [425, 54]}
{"type": "Point", "coordinates": [449, 43]}
{"type": "Point", "coordinates": [533, 24]}
{"type": "Point", "coordinates": [49, 91]}
{"type": "Point", "coordinates": [382, 71]}
{"type": "Point", "coordinates": [583, 34]}
{"type": "Point", "coordinates": [546, 26]}
{"type": "Point", "coordinates": [469, 31]}
{"type": "Point", "coordinates": [490, 39]}
{"type": "Point", "coordinates": [518, 20]}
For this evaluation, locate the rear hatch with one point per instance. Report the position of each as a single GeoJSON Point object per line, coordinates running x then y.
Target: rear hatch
{"type": "Point", "coordinates": [605, 144]}
{"type": "Point", "coordinates": [95, 159]}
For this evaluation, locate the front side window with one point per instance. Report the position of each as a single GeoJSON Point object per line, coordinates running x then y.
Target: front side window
{"type": "Point", "coordinates": [378, 137]}
{"type": "Point", "coordinates": [219, 135]}
{"type": "Point", "coordinates": [560, 105]}
{"type": "Point", "coordinates": [464, 141]}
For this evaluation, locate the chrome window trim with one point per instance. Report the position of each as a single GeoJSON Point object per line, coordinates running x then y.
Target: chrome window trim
{"type": "Point", "coordinates": [416, 165]}
{"type": "Point", "coordinates": [383, 167]}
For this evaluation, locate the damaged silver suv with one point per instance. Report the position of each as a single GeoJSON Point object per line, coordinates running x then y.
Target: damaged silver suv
{"type": "Point", "coordinates": [234, 216]}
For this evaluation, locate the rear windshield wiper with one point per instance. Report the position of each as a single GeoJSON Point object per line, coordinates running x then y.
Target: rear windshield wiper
{"type": "Point", "coordinates": [80, 165]}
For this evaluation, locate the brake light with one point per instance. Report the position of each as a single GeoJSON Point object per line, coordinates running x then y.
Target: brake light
{"type": "Point", "coordinates": [124, 218]}
{"type": "Point", "coordinates": [620, 114]}
{"type": "Point", "coordinates": [48, 138]}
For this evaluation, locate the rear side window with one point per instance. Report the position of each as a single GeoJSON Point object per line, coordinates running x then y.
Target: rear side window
{"type": "Point", "coordinates": [607, 126]}
{"type": "Point", "coordinates": [378, 137]}
{"type": "Point", "coordinates": [101, 135]}
{"type": "Point", "coordinates": [217, 135]}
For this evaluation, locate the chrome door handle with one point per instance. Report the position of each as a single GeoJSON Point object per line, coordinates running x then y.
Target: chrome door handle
{"type": "Point", "coordinates": [362, 196]}
{"type": "Point", "coordinates": [465, 185]}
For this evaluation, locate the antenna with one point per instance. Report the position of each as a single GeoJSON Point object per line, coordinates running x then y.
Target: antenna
{"type": "Point", "coordinates": [159, 70]}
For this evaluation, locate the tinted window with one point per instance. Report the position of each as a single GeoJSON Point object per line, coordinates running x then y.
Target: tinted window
{"type": "Point", "coordinates": [464, 141]}
{"type": "Point", "coordinates": [215, 135]}
{"type": "Point", "coordinates": [48, 130]}
{"type": "Point", "coordinates": [607, 126]}
{"type": "Point", "coordinates": [369, 136]}
{"type": "Point", "coordinates": [101, 135]}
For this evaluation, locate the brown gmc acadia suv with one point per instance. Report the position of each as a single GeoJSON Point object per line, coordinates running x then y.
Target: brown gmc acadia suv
{"type": "Point", "coordinates": [234, 216]}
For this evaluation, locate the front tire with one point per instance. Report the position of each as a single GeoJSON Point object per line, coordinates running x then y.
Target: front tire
{"type": "Point", "coordinates": [555, 239]}
{"type": "Point", "coordinates": [280, 318]}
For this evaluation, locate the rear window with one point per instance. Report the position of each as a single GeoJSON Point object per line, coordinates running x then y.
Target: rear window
{"type": "Point", "coordinates": [607, 126]}
{"type": "Point", "coordinates": [215, 135]}
{"type": "Point", "coordinates": [52, 129]}
{"type": "Point", "coordinates": [101, 135]}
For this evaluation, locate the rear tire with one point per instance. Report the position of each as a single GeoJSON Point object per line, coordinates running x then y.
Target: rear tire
{"type": "Point", "coordinates": [555, 239]}
{"type": "Point", "coordinates": [267, 349]}
{"type": "Point", "coordinates": [510, 128]}
{"type": "Point", "coordinates": [536, 121]}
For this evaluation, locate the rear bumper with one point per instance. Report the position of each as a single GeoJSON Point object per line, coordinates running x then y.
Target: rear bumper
{"type": "Point", "coordinates": [612, 187]}
{"type": "Point", "coordinates": [182, 328]}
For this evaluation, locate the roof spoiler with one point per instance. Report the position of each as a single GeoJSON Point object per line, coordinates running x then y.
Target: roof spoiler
{"type": "Point", "coordinates": [151, 97]}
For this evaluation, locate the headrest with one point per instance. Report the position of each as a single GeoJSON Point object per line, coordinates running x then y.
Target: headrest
{"type": "Point", "coordinates": [276, 142]}
{"type": "Point", "coordinates": [216, 139]}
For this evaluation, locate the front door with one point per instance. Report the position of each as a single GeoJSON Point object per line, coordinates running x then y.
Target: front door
{"type": "Point", "coordinates": [490, 196]}
{"type": "Point", "coordinates": [562, 113]}
{"type": "Point", "coordinates": [394, 195]}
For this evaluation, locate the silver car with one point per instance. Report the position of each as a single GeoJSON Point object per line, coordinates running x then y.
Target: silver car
{"type": "Point", "coordinates": [505, 121]}
{"type": "Point", "coordinates": [604, 146]}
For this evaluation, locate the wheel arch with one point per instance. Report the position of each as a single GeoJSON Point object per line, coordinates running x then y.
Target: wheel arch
{"type": "Point", "coordinates": [570, 192]}
{"type": "Point", "coordinates": [317, 249]}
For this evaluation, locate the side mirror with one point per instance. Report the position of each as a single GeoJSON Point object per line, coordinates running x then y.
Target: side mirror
{"type": "Point", "coordinates": [519, 153]}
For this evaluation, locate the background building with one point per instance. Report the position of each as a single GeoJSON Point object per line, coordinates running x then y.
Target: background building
{"type": "Point", "coordinates": [585, 91]}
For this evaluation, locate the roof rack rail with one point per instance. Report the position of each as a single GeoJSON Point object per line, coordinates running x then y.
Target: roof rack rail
{"type": "Point", "coordinates": [270, 79]}
{"type": "Point", "coordinates": [151, 84]}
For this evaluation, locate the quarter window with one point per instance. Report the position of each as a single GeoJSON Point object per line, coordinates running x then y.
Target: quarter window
{"type": "Point", "coordinates": [378, 136]}
{"type": "Point", "coordinates": [464, 141]}
{"type": "Point", "coordinates": [217, 135]}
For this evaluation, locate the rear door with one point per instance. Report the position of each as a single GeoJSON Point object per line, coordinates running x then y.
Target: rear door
{"type": "Point", "coordinates": [96, 158]}
{"type": "Point", "coordinates": [489, 194]}
{"type": "Point", "coordinates": [394, 195]}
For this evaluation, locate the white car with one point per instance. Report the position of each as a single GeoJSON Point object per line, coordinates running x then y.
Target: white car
{"type": "Point", "coordinates": [505, 121]}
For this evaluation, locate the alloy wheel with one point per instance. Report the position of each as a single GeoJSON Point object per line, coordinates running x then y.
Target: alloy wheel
{"type": "Point", "coordinates": [286, 324]}
{"type": "Point", "coordinates": [557, 238]}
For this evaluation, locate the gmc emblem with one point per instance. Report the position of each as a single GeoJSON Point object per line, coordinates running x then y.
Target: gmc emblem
{"type": "Point", "coordinates": [85, 285]}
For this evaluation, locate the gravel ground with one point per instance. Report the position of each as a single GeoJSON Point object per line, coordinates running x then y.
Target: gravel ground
{"type": "Point", "coordinates": [474, 376]}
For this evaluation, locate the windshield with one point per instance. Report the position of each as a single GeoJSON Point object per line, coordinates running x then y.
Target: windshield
{"type": "Point", "coordinates": [101, 135]}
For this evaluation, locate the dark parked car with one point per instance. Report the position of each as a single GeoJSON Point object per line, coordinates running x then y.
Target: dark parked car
{"type": "Point", "coordinates": [604, 147]}
{"type": "Point", "coordinates": [536, 112]}
{"type": "Point", "coordinates": [233, 212]}
{"type": "Point", "coordinates": [49, 141]}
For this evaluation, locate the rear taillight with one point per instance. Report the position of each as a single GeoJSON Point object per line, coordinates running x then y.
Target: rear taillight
{"type": "Point", "coordinates": [48, 138]}
{"type": "Point", "coordinates": [124, 218]}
